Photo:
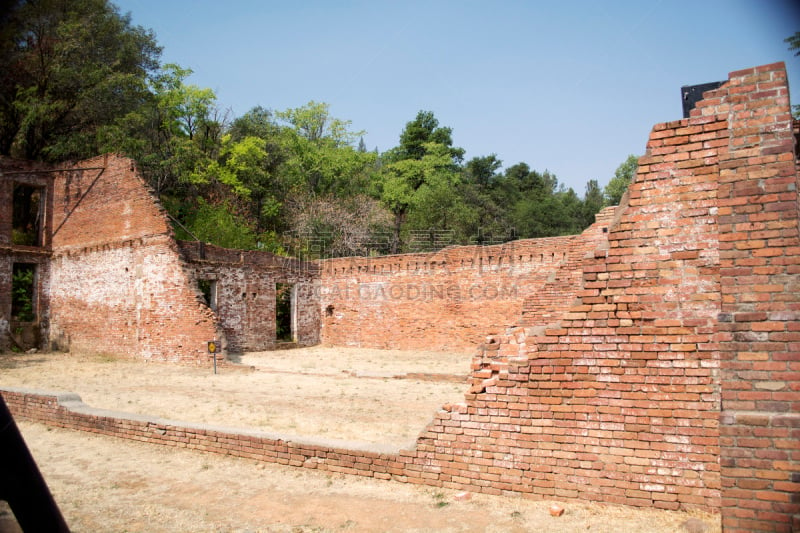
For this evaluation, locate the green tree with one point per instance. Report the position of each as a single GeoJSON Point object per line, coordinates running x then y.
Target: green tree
{"type": "Point", "coordinates": [174, 134]}
{"type": "Point", "coordinates": [22, 281]}
{"type": "Point", "coordinates": [794, 46]}
{"type": "Point", "coordinates": [320, 152]}
{"type": "Point", "coordinates": [410, 183]}
{"type": "Point", "coordinates": [258, 122]}
{"type": "Point", "coordinates": [243, 167]}
{"type": "Point", "coordinates": [219, 225]}
{"type": "Point", "coordinates": [69, 68]}
{"type": "Point", "coordinates": [593, 201]}
{"type": "Point", "coordinates": [487, 215]}
{"type": "Point", "coordinates": [314, 122]}
{"type": "Point", "coordinates": [482, 170]}
{"type": "Point", "coordinates": [623, 177]}
{"type": "Point", "coordinates": [425, 166]}
{"type": "Point", "coordinates": [421, 132]}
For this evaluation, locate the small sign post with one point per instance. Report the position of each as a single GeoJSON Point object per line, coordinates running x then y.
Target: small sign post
{"type": "Point", "coordinates": [213, 348]}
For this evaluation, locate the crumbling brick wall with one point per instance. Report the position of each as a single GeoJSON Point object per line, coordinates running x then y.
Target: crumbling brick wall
{"type": "Point", "coordinates": [118, 282]}
{"type": "Point", "coordinates": [670, 379]}
{"type": "Point", "coordinates": [453, 298]}
{"type": "Point", "coordinates": [13, 333]}
{"type": "Point", "coordinates": [245, 294]}
{"type": "Point", "coordinates": [758, 334]}
{"type": "Point", "coordinates": [691, 309]}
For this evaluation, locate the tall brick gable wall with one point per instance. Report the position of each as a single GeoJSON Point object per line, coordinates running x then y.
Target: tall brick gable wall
{"type": "Point", "coordinates": [451, 299]}
{"type": "Point", "coordinates": [118, 283]}
{"type": "Point", "coordinates": [619, 400]}
{"type": "Point", "coordinates": [673, 381]}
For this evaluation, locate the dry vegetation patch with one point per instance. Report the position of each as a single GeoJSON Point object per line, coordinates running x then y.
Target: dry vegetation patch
{"type": "Point", "coordinates": [108, 485]}
{"type": "Point", "coordinates": [104, 484]}
{"type": "Point", "coordinates": [337, 393]}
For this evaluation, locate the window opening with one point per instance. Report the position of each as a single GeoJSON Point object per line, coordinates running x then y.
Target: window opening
{"type": "Point", "coordinates": [23, 292]}
{"type": "Point", "coordinates": [283, 312]}
{"type": "Point", "coordinates": [26, 223]}
{"type": "Point", "coordinates": [209, 289]}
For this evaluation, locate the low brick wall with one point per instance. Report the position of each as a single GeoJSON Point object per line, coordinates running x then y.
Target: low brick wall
{"type": "Point", "coordinates": [66, 410]}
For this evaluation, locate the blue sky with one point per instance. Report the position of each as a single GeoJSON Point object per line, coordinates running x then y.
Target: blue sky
{"type": "Point", "coordinates": [568, 86]}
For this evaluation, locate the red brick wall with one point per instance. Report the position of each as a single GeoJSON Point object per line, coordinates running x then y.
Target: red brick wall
{"type": "Point", "coordinates": [759, 323]}
{"type": "Point", "coordinates": [451, 299]}
{"type": "Point", "coordinates": [693, 308]}
{"type": "Point", "coordinates": [119, 285]}
{"type": "Point", "coordinates": [618, 402]}
{"type": "Point", "coordinates": [246, 296]}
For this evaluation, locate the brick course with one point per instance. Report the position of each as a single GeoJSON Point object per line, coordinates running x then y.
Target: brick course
{"type": "Point", "coordinates": [759, 322]}
{"type": "Point", "coordinates": [246, 293]}
{"type": "Point", "coordinates": [33, 175]}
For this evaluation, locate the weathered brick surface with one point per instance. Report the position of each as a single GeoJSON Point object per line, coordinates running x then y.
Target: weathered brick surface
{"type": "Point", "coordinates": [759, 324]}
{"type": "Point", "coordinates": [119, 284]}
{"type": "Point", "coordinates": [619, 401]}
{"type": "Point", "coordinates": [30, 174]}
{"type": "Point", "coordinates": [652, 364]}
{"type": "Point", "coordinates": [246, 294]}
{"type": "Point", "coordinates": [453, 298]}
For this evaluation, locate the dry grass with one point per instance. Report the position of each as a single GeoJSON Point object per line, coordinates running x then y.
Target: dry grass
{"type": "Point", "coordinates": [104, 484]}
{"type": "Point", "coordinates": [108, 485]}
{"type": "Point", "coordinates": [342, 394]}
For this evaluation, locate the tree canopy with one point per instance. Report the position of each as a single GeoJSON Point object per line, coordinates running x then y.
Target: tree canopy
{"type": "Point", "coordinates": [69, 68]}
{"type": "Point", "coordinates": [623, 177]}
{"type": "Point", "coordinates": [80, 79]}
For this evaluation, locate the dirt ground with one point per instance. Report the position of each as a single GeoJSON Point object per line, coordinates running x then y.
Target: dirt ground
{"type": "Point", "coordinates": [341, 394]}
{"type": "Point", "coordinates": [105, 484]}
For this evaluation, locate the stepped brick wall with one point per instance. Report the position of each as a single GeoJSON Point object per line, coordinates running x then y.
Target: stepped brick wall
{"type": "Point", "coordinates": [118, 284]}
{"type": "Point", "coordinates": [451, 299]}
{"type": "Point", "coordinates": [673, 381]}
{"type": "Point", "coordinates": [244, 285]}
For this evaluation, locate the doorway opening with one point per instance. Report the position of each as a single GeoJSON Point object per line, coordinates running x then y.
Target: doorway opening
{"type": "Point", "coordinates": [23, 292]}
{"type": "Point", "coordinates": [24, 328]}
{"type": "Point", "coordinates": [209, 289]}
{"type": "Point", "coordinates": [284, 311]}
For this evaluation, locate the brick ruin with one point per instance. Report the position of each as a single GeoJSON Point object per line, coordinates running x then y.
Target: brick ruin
{"type": "Point", "coordinates": [653, 360]}
{"type": "Point", "coordinates": [109, 278]}
{"type": "Point", "coordinates": [454, 298]}
{"type": "Point", "coordinates": [242, 289]}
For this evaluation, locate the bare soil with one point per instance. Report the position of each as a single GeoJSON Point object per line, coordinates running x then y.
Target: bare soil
{"type": "Point", "coordinates": [105, 484]}
{"type": "Point", "coordinates": [347, 394]}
